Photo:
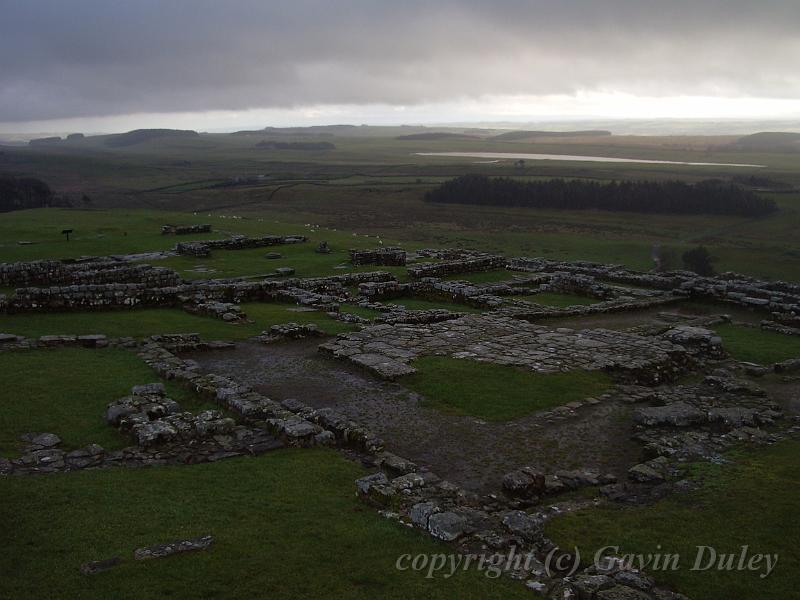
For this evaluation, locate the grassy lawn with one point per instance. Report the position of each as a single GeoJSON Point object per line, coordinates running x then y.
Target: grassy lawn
{"type": "Point", "coordinates": [754, 345]}
{"type": "Point", "coordinates": [367, 313]}
{"type": "Point", "coordinates": [557, 300]}
{"type": "Point", "coordinates": [66, 391]}
{"type": "Point", "coordinates": [301, 257]}
{"type": "Point", "coordinates": [752, 502]}
{"type": "Point", "coordinates": [497, 392]}
{"type": "Point", "coordinates": [286, 525]}
{"type": "Point", "coordinates": [150, 321]}
{"type": "Point", "coordinates": [422, 304]}
{"type": "Point", "coordinates": [103, 232]}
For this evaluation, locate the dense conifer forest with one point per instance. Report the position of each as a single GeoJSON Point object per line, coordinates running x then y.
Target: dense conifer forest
{"type": "Point", "coordinates": [675, 197]}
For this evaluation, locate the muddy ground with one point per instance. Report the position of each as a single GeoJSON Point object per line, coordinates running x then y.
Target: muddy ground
{"type": "Point", "coordinates": [465, 450]}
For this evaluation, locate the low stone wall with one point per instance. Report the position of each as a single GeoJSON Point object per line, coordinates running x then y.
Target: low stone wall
{"type": "Point", "coordinates": [383, 290]}
{"type": "Point", "coordinates": [306, 292]}
{"type": "Point", "coordinates": [154, 419]}
{"type": "Point", "coordinates": [102, 271]}
{"type": "Point", "coordinates": [580, 285]}
{"type": "Point", "coordinates": [418, 317]}
{"type": "Point", "coordinates": [778, 328]}
{"type": "Point", "coordinates": [779, 297]}
{"type": "Point", "coordinates": [203, 248]}
{"type": "Point", "coordinates": [492, 529]}
{"type": "Point", "coordinates": [88, 297]}
{"type": "Point", "coordinates": [290, 331]}
{"type": "Point", "coordinates": [10, 341]}
{"type": "Point", "coordinates": [184, 229]}
{"type": "Point", "coordinates": [227, 311]}
{"type": "Point", "coordinates": [530, 311]}
{"type": "Point", "coordinates": [486, 262]}
{"type": "Point", "coordinates": [293, 423]}
{"type": "Point", "coordinates": [240, 441]}
{"type": "Point", "coordinates": [395, 257]}
{"type": "Point", "coordinates": [431, 288]}
{"type": "Point", "coordinates": [172, 341]}
{"type": "Point", "coordinates": [458, 292]}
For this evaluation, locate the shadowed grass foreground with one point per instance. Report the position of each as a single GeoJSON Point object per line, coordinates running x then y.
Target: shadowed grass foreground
{"type": "Point", "coordinates": [285, 525]}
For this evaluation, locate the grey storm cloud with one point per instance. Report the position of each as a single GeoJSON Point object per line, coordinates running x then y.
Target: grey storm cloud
{"type": "Point", "coordinates": [78, 58]}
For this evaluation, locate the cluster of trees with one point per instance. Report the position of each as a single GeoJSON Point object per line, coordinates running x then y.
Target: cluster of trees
{"type": "Point", "coordinates": [21, 193]}
{"type": "Point", "coordinates": [673, 197]}
{"type": "Point", "coordinates": [18, 193]}
{"type": "Point", "coordinates": [699, 260]}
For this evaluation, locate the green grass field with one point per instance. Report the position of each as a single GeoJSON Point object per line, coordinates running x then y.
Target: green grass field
{"type": "Point", "coordinates": [286, 525]}
{"type": "Point", "coordinates": [751, 344]}
{"type": "Point", "coordinates": [66, 391]}
{"type": "Point", "coordinates": [496, 392]}
{"type": "Point", "coordinates": [145, 322]}
{"type": "Point", "coordinates": [752, 502]}
{"type": "Point", "coordinates": [104, 232]}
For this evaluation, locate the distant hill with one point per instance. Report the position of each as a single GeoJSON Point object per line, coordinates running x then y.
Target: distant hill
{"type": "Point", "coordinates": [437, 135]}
{"type": "Point", "coordinates": [512, 136]}
{"type": "Point", "coordinates": [137, 136]}
{"type": "Point", "coordinates": [313, 130]}
{"type": "Point", "coordinates": [303, 146]}
{"type": "Point", "coordinates": [769, 141]}
{"type": "Point", "coordinates": [46, 141]}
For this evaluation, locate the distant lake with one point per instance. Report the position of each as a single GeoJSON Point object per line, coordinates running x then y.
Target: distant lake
{"type": "Point", "coordinates": [568, 157]}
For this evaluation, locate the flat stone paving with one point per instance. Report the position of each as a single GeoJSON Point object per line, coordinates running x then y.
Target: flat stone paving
{"type": "Point", "coordinates": [465, 450]}
{"type": "Point", "coordinates": [387, 350]}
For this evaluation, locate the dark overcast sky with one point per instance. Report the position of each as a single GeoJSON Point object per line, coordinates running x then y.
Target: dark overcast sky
{"type": "Point", "coordinates": [90, 58]}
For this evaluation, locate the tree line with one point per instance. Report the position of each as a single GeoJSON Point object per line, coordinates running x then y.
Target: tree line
{"type": "Point", "coordinates": [20, 193]}
{"type": "Point", "coordinates": [711, 196]}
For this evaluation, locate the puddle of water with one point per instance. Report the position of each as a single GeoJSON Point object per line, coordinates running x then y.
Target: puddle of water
{"type": "Point", "coordinates": [578, 158]}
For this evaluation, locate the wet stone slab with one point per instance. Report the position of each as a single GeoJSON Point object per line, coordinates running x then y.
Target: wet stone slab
{"type": "Point", "coordinates": [384, 349]}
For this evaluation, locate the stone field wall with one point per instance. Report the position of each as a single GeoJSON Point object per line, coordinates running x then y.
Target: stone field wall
{"type": "Point", "coordinates": [184, 229]}
{"type": "Point", "coordinates": [781, 298]}
{"type": "Point", "coordinates": [204, 248]}
{"type": "Point", "coordinates": [395, 257]}
{"type": "Point", "coordinates": [54, 272]}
